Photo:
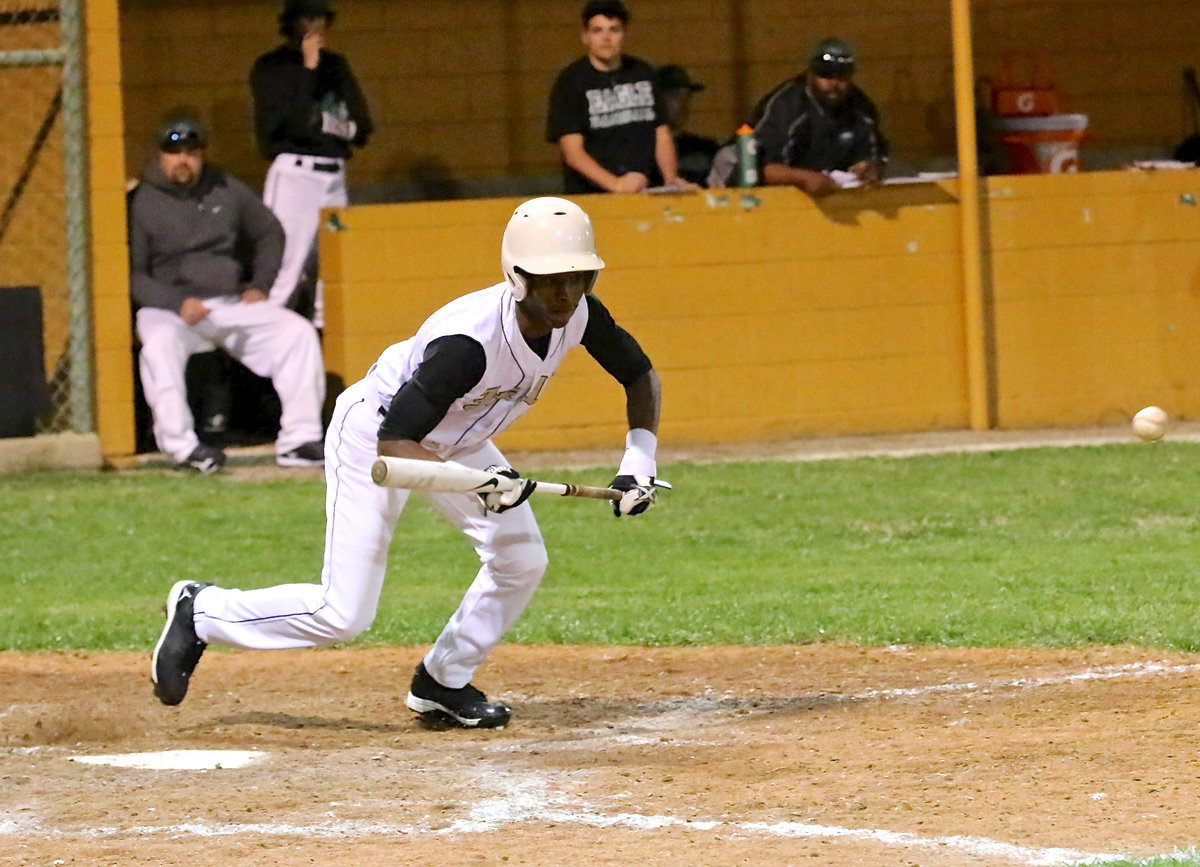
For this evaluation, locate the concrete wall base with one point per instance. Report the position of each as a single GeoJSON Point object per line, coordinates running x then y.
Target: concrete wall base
{"type": "Point", "coordinates": [63, 451]}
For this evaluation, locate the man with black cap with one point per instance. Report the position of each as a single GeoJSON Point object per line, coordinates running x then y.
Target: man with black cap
{"type": "Point", "coordinates": [309, 114]}
{"type": "Point", "coordinates": [188, 223]}
{"type": "Point", "coordinates": [819, 131]}
{"type": "Point", "coordinates": [693, 152]}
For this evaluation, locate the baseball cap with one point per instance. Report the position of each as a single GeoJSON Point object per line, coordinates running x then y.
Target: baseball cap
{"type": "Point", "coordinates": [607, 8]}
{"type": "Point", "coordinates": [306, 9]}
{"type": "Point", "coordinates": [181, 133]}
{"type": "Point", "coordinates": [673, 77]}
{"type": "Point", "coordinates": [831, 58]}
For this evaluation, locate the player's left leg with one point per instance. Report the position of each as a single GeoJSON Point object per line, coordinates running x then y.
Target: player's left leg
{"type": "Point", "coordinates": [360, 521]}
{"type": "Point", "coordinates": [513, 560]}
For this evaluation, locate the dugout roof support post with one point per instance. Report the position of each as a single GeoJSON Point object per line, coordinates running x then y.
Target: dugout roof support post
{"type": "Point", "coordinates": [981, 391]}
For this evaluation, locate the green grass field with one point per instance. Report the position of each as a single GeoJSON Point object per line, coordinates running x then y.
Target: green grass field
{"type": "Point", "coordinates": [1045, 547]}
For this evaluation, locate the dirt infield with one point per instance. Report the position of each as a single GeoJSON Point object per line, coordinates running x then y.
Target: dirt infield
{"type": "Point", "coordinates": [714, 756]}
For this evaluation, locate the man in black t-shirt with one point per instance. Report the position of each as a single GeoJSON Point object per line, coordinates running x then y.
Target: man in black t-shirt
{"type": "Point", "coordinates": [605, 114]}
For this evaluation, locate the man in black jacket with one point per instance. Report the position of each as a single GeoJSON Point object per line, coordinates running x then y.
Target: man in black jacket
{"type": "Point", "coordinates": [309, 114]}
{"type": "Point", "coordinates": [188, 222]}
{"type": "Point", "coordinates": [817, 131]}
{"type": "Point", "coordinates": [819, 124]}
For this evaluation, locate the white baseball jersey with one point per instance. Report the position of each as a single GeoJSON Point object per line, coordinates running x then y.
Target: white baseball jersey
{"type": "Point", "coordinates": [512, 381]}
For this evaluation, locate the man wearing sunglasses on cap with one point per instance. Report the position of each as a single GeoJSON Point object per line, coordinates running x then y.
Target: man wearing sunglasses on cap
{"type": "Point", "coordinates": [188, 225]}
{"type": "Point", "coordinates": [819, 131]}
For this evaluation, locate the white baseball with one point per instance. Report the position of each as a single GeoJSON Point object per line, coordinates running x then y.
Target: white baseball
{"type": "Point", "coordinates": [1150, 423]}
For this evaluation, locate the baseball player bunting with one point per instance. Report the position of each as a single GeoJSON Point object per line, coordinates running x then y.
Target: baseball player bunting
{"type": "Point", "coordinates": [471, 370]}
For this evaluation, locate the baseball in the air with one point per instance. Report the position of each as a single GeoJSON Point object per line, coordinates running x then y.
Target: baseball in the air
{"type": "Point", "coordinates": [1150, 423]}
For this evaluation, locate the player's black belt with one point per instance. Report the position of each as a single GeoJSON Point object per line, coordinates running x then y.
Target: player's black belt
{"type": "Point", "coordinates": [321, 167]}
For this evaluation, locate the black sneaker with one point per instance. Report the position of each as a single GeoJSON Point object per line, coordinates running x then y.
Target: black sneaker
{"type": "Point", "coordinates": [466, 706]}
{"type": "Point", "coordinates": [178, 649]}
{"type": "Point", "coordinates": [308, 455]}
{"type": "Point", "coordinates": [205, 458]}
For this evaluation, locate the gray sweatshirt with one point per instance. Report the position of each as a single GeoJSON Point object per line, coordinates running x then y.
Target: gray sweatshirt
{"type": "Point", "coordinates": [212, 238]}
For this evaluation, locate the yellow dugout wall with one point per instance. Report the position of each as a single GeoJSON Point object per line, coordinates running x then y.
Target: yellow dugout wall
{"type": "Point", "coordinates": [769, 316]}
{"type": "Point", "coordinates": [1097, 288]}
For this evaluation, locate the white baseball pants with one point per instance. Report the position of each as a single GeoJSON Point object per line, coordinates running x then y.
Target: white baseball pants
{"type": "Point", "coordinates": [272, 342]}
{"type": "Point", "coordinates": [360, 519]}
{"type": "Point", "coordinates": [296, 192]}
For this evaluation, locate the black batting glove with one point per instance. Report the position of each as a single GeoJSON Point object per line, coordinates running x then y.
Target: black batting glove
{"type": "Point", "coordinates": [638, 494]}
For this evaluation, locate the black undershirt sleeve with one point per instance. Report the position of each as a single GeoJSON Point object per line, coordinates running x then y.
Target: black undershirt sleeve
{"type": "Point", "coordinates": [451, 367]}
{"type": "Point", "coordinates": [612, 346]}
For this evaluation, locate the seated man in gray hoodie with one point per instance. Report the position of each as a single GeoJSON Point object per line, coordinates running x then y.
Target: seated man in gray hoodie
{"type": "Point", "coordinates": [188, 223]}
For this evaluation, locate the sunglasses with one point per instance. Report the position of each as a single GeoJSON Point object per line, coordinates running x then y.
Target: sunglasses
{"type": "Point", "coordinates": [178, 141]}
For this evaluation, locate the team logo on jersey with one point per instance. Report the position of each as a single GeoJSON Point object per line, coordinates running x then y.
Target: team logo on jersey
{"type": "Point", "coordinates": [492, 396]}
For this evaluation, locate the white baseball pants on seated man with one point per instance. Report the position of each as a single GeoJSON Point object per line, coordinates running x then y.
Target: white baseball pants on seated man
{"type": "Point", "coordinates": [272, 342]}
{"type": "Point", "coordinates": [360, 518]}
{"type": "Point", "coordinates": [296, 189]}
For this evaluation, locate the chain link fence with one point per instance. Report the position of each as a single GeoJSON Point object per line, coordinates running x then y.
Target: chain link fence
{"type": "Point", "coordinates": [43, 194]}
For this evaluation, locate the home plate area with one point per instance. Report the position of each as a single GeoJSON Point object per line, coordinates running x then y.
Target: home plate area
{"type": "Point", "coordinates": [830, 754]}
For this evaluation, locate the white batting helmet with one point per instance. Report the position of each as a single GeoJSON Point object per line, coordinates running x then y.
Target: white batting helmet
{"type": "Point", "coordinates": [547, 236]}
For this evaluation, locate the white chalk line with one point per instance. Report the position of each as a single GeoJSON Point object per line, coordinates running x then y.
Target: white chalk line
{"type": "Point", "coordinates": [1108, 672]}
{"type": "Point", "coordinates": [677, 718]}
{"type": "Point", "coordinates": [527, 797]}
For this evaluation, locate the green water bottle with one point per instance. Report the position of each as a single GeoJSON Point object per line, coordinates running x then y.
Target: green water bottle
{"type": "Point", "coordinates": [747, 157]}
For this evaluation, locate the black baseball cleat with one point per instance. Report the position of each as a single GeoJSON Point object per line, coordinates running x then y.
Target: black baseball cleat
{"type": "Point", "coordinates": [178, 649]}
{"type": "Point", "coordinates": [308, 455]}
{"type": "Point", "coordinates": [204, 458]}
{"type": "Point", "coordinates": [466, 705]}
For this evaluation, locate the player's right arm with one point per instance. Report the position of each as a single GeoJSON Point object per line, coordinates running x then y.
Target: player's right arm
{"type": "Point", "coordinates": [620, 354]}
{"type": "Point", "coordinates": [451, 366]}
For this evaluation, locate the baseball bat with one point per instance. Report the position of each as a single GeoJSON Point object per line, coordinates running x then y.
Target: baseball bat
{"type": "Point", "coordinates": [417, 475]}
